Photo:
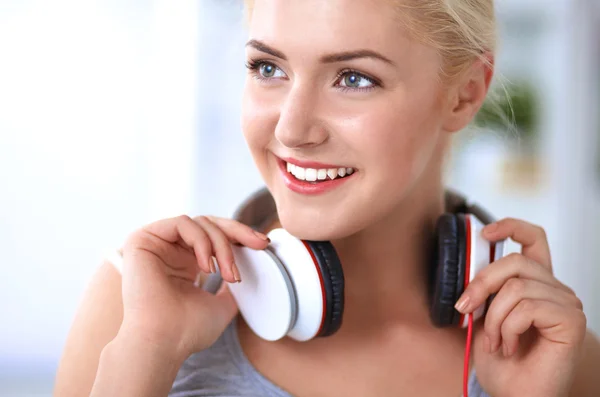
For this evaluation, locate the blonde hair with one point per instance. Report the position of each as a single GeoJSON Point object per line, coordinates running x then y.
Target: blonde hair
{"type": "Point", "coordinates": [460, 30]}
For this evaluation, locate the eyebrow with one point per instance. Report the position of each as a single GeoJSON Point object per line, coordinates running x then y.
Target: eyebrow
{"type": "Point", "coordinates": [330, 58]}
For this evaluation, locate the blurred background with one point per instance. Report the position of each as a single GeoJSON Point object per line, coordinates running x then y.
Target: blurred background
{"type": "Point", "coordinates": [117, 113]}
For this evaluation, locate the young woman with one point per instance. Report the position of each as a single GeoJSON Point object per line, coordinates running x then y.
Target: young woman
{"type": "Point", "coordinates": [368, 93]}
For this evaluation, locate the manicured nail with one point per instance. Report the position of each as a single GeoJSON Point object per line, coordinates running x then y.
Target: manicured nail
{"type": "Point", "coordinates": [487, 345]}
{"type": "Point", "coordinates": [261, 236]}
{"type": "Point", "coordinates": [463, 303]}
{"type": "Point", "coordinates": [211, 265]}
{"type": "Point", "coordinates": [198, 280]}
{"type": "Point", "coordinates": [236, 273]}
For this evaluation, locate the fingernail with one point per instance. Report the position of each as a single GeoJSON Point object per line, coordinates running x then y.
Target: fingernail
{"type": "Point", "coordinates": [211, 265]}
{"type": "Point", "coordinates": [492, 227]}
{"type": "Point", "coordinates": [261, 236]}
{"type": "Point", "coordinates": [236, 273]}
{"type": "Point", "coordinates": [463, 303]}
{"type": "Point", "coordinates": [487, 344]}
{"type": "Point", "coordinates": [198, 280]}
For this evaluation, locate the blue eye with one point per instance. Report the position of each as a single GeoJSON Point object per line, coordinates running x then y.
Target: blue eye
{"type": "Point", "coordinates": [356, 80]}
{"type": "Point", "coordinates": [264, 70]}
{"type": "Point", "coordinates": [267, 70]}
{"type": "Point", "coordinates": [346, 80]}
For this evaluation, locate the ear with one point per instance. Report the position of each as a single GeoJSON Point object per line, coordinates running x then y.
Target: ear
{"type": "Point", "coordinates": [467, 97]}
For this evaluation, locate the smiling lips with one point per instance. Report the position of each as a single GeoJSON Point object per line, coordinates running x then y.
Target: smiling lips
{"type": "Point", "coordinates": [313, 178]}
{"type": "Point", "coordinates": [320, 174]}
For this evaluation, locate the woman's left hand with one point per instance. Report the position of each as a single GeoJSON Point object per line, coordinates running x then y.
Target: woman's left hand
{"type": "Point", "coordinates": [530, 341]}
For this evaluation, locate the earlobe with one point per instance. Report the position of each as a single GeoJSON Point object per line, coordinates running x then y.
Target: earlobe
{"type": "Point", "coordinates": [469, 94]}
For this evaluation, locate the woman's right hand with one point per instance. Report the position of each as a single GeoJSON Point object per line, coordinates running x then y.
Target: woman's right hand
{"type": "Point", "coordinates": [161, 261]}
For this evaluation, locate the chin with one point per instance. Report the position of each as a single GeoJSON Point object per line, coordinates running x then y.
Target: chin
{"type": "Point", "coordinates": [320, 222]}
{"type": "Point", "coordinates": [310, 229]}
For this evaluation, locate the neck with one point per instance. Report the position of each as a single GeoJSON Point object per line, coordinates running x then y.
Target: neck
{"type": "Point", "coordinates": [386, 267]}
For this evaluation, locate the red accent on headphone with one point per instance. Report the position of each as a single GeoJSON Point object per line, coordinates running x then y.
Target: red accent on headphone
{"type": "Point", "coordinates": [462, 317]}
{"type": "Point", "coordinates": [468, 261]}
{"type": "Point", "coordinates": [324, 297]}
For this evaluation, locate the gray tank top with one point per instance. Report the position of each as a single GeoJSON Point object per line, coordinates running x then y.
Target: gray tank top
{"type": "Point", "coordinates": [223, 370]}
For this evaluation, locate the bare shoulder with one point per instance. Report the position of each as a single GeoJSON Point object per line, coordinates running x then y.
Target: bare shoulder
{"type": "Point", "coordinates": [96, 323]}
{"type": "Point", "coordinates": [587, 381]}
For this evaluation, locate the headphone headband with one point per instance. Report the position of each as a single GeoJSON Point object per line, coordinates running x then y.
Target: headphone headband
{"type": "Point", "coordinates": [457, 203]}
{"type": "Point", "coordinates": [257, 210]}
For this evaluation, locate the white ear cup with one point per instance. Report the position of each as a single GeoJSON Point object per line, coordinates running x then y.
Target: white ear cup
{"type": "Point", "coordinates": [281, 292]}
{"type": "Point", "coordinates": [480, 256]}
{"type": "Point", "coordinates": [265, 296]}
{"type": "Point", "coordinates": [500, 250]}
{"type": "Point", "coordinates": [306, 278]}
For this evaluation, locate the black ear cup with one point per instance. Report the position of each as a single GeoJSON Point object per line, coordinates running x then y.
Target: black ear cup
{"type": "Point", "coordinates": [448, 269]}
{"type": "Point", "coordinates": [330, 268]}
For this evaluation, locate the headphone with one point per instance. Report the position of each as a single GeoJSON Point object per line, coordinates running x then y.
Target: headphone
{"type": "Point", "coordinates": [295, 288]}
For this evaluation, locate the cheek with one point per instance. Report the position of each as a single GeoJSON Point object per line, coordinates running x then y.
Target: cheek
{"type": "Point", "coordinates": [397, 140]}
{"type": "Point", "coordinates": [258, 121]}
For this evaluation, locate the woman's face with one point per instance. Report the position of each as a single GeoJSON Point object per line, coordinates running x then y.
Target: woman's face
{"type": "Point", "coordinates": [337, 86]}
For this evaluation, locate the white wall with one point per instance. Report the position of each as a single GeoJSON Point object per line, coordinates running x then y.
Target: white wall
{"type": "Point", "coordinates": [97, 119]}
{"type": "Point", "coordinates": [577, 150]}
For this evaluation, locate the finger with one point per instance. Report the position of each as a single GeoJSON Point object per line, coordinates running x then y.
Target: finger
{"type": "Point", "coordinates": [221, 247]}
{"type": "Point", "coordinates": [199, 280]}
{"type": "Point", "coordinates": [532, 238]}
{"type": "Point", "coordinates": [181, 260]}
{"type": "Point", "coordinates": [557, 323]}
{"type": "Point", "coordinates": [492, 277]}
{"type": "Point", "coordinates": [159, 255]}
{"type": "Point", "coordinates": [183, 229]}
{"type": "Point", "coordinates": [227, 305]}
{"type": "Point", "coordinates": [240, 233]}
{"type": "Point", "coordinates": [514, 291]}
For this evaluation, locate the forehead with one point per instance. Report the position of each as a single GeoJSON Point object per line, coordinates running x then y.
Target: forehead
{"type": "Point", "coordinates": [338, 25]}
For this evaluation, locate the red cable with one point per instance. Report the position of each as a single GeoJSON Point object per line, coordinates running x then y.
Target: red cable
{"type": "Point", "coordinates": [467, 354]}
{"type": "Point", "coordinates": [470, 315]}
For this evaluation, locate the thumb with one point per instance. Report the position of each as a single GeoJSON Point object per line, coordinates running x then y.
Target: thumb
{"type": "Point", "coordinates": [223, 307]}
{"type": "Point", "coordinates": [212, 315]}
{"type": "Point", "coordinates": [226, 299]}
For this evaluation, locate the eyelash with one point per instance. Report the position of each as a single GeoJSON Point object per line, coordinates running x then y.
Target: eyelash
{"type": "Point", "coordinates": [254, 65]}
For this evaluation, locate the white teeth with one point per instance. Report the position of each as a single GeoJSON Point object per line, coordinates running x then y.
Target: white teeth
{"type": "Point", "coordinates": [321, 174]}
{"type": "Point", "coordinates": [312, 174]}
{"type": "Point", "coordinates": [299, 173]}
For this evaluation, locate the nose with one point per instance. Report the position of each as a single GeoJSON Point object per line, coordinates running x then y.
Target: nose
{"type": "Point", "coordinates": [299, 125]}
